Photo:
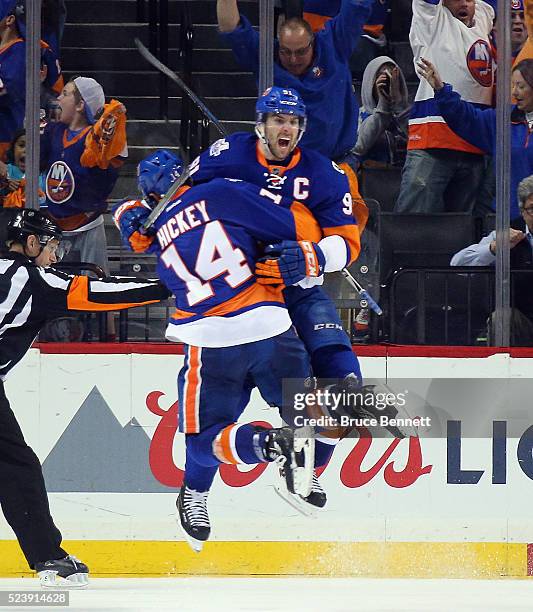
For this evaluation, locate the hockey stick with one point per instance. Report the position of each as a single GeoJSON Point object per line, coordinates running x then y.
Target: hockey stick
{"type": "Point", "coordinates": [363, 293]}
{"type": "Point", "coordinates": [156, 212]}
{"type": "Point", "coordinates": [151, 59]}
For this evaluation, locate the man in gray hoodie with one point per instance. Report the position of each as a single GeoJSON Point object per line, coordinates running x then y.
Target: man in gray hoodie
{"type": "Point", "coordinates": [384, 113]}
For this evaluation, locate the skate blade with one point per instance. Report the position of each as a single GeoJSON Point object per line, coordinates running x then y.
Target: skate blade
{"type": "Point", "coordinates": [195, 544]}
{"type": "Point", "coordinates": [51, 580]}
{"type": "Point", "coordinates": [304, 449]}
{"type": "Point", "coordinates": [296, 502]}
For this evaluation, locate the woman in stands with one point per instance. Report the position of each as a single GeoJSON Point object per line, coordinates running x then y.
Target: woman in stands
{"type": "Point", "coordinates": [478, 126]}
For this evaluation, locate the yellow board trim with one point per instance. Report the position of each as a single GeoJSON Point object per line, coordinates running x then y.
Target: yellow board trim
{"type": "Point", "coordinates": [369, 559]}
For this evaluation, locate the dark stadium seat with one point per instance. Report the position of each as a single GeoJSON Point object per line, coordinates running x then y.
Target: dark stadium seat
{"type": "Point", "coordinates": [416, 240]}
{"type": "Point", "coordinates": [424, 307]}
{"type": "Point", "coordinates": [445, 307]}
{"type": "Point", "coordinates": [381, 184]}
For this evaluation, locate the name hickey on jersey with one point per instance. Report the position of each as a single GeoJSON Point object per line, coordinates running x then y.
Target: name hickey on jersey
{"type": "Point", "coordinates": [182, 222]}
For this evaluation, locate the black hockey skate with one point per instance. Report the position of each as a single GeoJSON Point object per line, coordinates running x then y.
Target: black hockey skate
{"type": "Point", "coordinates": [317, 497]}
{"type": "Point", "coordinates": [192, 516]}
{"type": "Point", "coordinates": [309, 505]}
{"type": "Point", "coordinates": [69, 573]}
{"type": "Point", "coordinates": [294, 456]}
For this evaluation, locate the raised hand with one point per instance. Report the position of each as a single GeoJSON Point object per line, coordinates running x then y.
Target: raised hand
{"type": "Point", "coordinates": [427, 70]}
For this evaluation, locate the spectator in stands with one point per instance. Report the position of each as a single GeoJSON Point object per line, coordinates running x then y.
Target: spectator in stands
{"type": "Point", "coordinates": [317, 66]}
{"type": "Point", "coordinates": [518, 27]}
{"type": "Point", "coordinates": [54, 14]}
{"type": "Point", "coordinates": [383, 117]}
{"type": "Point", "coordinates": [372, 42]}
{"type": "Point", "coordinates": [13, 72]}
{"type": "Point", "coordinates": [53, 78]}
{"type": "Point", "coordinates": [13, 173]}
{"type": "Point", "coordinates": [50, 109]}
{"type": "Point", "coordinates": [12, 76]}
{"type": "Point", "coordinates": [81, 155]}
{"type": "Point", "coordinates": [521, 242]}
{"type": "Point", "coordinates": [442, 170]}
{"type": "Point", "coordinates": [478, 126]}
{"type": "Point", "coordinates": [519, 30]}
{"type": "Point", "coordinates": [526, 52]}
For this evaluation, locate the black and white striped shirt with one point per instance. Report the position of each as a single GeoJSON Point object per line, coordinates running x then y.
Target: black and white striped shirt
{"type": "Point", "coordinates": [30, 295]}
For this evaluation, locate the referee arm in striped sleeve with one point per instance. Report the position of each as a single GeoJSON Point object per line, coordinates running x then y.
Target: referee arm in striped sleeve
{"type": "Point", "coordinates": [68, 292]}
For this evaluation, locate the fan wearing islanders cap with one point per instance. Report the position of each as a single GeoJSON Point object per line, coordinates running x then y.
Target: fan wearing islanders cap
{"type": "Point", "coordinates": [522, 9]}
{"type": "Point", "coordinates": [81, 154]}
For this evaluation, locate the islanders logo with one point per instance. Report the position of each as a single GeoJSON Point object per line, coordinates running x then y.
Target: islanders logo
{"type": "Point", "coordinates": [59, 183]}
{"type": "Point", "coordinates": [274, 180]}
{"type": "Point", "coordinates": [479, 62]}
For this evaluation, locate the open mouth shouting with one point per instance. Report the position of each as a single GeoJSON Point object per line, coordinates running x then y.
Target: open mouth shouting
{"type": "Point", "coordinates": [284, 144]}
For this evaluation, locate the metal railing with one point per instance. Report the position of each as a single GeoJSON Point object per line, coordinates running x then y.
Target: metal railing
{"type": "Point", "coordinates": [194, 135]}
{"type": "Point", "coordinates": [445, 306]}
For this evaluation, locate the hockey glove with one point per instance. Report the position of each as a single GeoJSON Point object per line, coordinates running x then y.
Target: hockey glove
{"type": "Point", "coordinates": [129, 217]}
{"type": "Point", "coordinates": [289, 262]}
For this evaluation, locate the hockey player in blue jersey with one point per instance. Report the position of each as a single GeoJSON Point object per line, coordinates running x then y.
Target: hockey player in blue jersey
{"type": "Point", "coordinates": [237, 331]}
{"type": "Point", "coordinates": [272, 159]}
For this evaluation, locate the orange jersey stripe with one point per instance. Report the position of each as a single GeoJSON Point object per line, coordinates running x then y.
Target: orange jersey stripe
{"type": "Point", "coordinates": [78, 298]}
{"type": "Point", "coordinates": [253, 295]}
{"type": "Point", "coordinates": [317, 22]}
{"type": "Point", "coordinates": [182, 314]}
{"type": "Point", "coordinates": [359, 208]}
{"type": "Point", "coordinates": [306, 226]}
{"type": "Point", "coordinates": [279, 170]}
{"type": "Point", "coordinates": [375, 30]}
{"type": "Point", "coordinates": [68, 143]}
{"type": "Point", "coordinates": [437, 136]}
{"type": "Point", "coordinates": [222, 446]}
{"type": "Point", "coordinates": [57, 87]}
{"type": "Point", "coordinates": [192, 394]}
{"type": "Point", "coordinates": [350, 233]}
{"type": "Point", "coordinates": [17, 40]}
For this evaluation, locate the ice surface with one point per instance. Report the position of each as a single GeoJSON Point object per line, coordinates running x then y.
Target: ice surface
{"type": "Point", "coordinates": [239, 594]}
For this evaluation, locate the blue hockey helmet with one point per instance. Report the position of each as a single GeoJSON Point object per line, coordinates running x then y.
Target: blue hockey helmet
{"type": "Point", "coordinates": [157, 172]}
{"type": "Point", "coordinates": [280, 101]}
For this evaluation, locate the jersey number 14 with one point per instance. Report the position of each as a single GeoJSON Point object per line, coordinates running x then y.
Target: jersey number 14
{"type": "Point", "coordinates": [216, 257]}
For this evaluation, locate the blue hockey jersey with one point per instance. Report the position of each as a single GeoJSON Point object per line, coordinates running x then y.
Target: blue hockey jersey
{"type": "Point", "coordinates": [75, 195]}
{"type": "Point", "coordinates": [13, 86]}
{"type": "Point", "coordinates": [208, 245]}
{"type": "Point", "coordinates": [308, 177]}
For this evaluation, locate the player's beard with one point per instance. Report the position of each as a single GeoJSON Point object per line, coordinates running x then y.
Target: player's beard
{"type": "Point", "coordinates": [281, 146]}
